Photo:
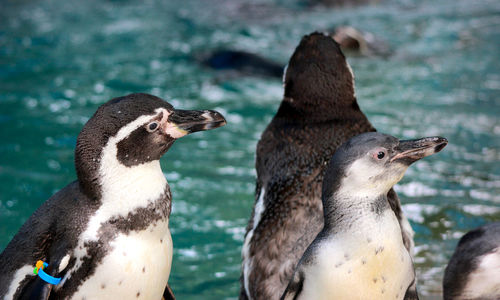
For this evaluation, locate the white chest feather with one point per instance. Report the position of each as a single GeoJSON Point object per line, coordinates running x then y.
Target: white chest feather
{"type": "Point", "coordinates": [138, 267]}
{"type": "Point", "coordinates": [361, 265]}
{"type": "Point", "coordinates": [126, 189]}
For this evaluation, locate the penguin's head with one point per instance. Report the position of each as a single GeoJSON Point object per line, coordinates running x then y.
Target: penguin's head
{"type": "Point", "coordinates": [134, 130]}
{"type": "Point", "coordinates": [370, 164]}
{"type": "Point", "coordinates": [349, 38]}
{"type": "Point", "coordinates": [318, 80]}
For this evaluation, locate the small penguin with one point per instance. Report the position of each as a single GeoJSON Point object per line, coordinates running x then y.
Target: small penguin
{"type": "Point", "coordinates": [359, 253]}
{"type": "Point", "coordinates": [244, 62]}
{"type": "Point", "coordinates": [106, 235]}
{"type": "Point", "coordinates": [318, 113]}
{"type": "Point", "coordinates": [340, 3]}
{"type": "Point", "coordinates": [364, 43]}
{"type": "Point", "coordinates": [474, 269]}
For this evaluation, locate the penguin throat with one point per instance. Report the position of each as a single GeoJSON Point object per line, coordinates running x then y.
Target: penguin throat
{"type": "Point", "coordinates": [342, 213]}
{"type": "Point", "coordinates": [128, 188]}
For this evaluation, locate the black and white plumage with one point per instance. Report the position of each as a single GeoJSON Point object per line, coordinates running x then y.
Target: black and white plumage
{"type": "Point", "coordinates": [359, 253]}
{"type": "Point", "coordinates": [106, 234]}
{"type": "Point", "coordinates": [474, 269]}
{"type": "Point", "coordinates": [319, 112]}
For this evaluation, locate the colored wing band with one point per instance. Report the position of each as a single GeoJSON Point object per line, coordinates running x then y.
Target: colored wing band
{"type": "Point", "coordinates": [46, 277]}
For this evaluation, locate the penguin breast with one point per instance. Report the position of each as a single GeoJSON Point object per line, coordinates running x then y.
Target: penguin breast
{"type": "Point", "coordinates": [138, 266]}
{"type": "Point", "coordinates": [361, 265]}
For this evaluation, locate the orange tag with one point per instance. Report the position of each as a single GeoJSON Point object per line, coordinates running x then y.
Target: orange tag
{"type": "Point", "coordinates": [39, 264]}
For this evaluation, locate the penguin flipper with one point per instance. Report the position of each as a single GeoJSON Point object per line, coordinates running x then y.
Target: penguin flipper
{"type": "Point", "coordinates": [36, 289]}
{"type": "Point", "coordinates": [168, 294]}
{"type": "Point", "coordinates": [39, 289]}
{"type": "Point", "coordinates": [295, 287]}
{"type": "Point", "coordinates": [411, 292]}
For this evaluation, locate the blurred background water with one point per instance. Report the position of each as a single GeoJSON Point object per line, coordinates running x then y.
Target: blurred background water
{"type": "Point", "coordinates": [59, 60]}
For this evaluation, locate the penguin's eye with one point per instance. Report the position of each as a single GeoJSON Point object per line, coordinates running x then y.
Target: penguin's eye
{"type": "Point", "coordinates": [152, 126]}
{"type": "Point", "coordinates": [379, 154]}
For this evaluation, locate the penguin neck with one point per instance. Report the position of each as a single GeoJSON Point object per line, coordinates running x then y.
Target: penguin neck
{"type": "Point", "coordinates": [322, 110]}
{"type": "Point", "coordinates": [107, 178]}
{"type": "Point", "coordinates": [129, 187]}
{"type": "Point", "coordinates": [359, 213]}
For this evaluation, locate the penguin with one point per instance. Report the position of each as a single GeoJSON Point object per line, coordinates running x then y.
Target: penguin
{"type": "Point", "coordinates": [351, 39]}
{"type": "Point", "coordinates": [359, 253]}
{"type": "Point", "coordinates": [318, 113]}
{"type": "Point", "coordinates": [340, 3]}
{"type": "Point", "coordinates": [238, 62]}
{"type": "Point", "coordinates": [474, 269]}
{"type": "Point", "coordinates": [106, 235]}
{"type": "Point", "coordinates": [244, 62]}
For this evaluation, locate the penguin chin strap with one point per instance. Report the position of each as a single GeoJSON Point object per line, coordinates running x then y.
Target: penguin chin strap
{"type": "Point", "coordinates": [40, 265]}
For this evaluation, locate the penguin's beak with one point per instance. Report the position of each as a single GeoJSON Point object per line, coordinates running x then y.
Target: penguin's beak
{"type": "Point", "coordinates": [409, 151]}
{"type": "Point", "coordinates": [182, 122]}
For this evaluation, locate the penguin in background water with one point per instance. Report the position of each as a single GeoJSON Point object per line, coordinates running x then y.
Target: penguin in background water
{"type": "Point", "coordinates": [474, 269]}
{"type": "Point", "coordinates": [241, 61]}
{"type": "Point", "coordinates": [237, 62]}
{"type": "Point", "coordinates": [364, 43]}
{"type": "Point", "coordinates": [318, 113]}
{"type": "Point", "coordinates": [106, 235]}
{"type": "Point", "coordinates": [359, 253]}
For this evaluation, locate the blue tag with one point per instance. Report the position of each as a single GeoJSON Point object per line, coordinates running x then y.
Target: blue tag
{"type": "Point", "coordinates": [46, 277]}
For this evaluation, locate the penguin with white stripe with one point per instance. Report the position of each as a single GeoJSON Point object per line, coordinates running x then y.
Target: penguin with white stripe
{"type": "Point", "coordinates": [474, 269]}
{"type": "Point", "coordinates": [106, 235]}
{"type": "Point", "coordinates": [359, 253]}
{"type": "Point", "coordinates": [319, 112]}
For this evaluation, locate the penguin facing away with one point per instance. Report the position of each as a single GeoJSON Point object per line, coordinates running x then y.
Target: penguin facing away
{"type": "Point", "coordinates": [474, 269]}
{"type": "Point", "coordinates": [318, 113]}
{"type": "Point", "coordinates": [359, 253]}
{"type": "Point", "coordinates": [106, 234]}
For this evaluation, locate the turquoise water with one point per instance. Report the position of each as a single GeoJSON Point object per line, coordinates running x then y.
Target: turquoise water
{"type": "Point", "coordinates": [59, 60]}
